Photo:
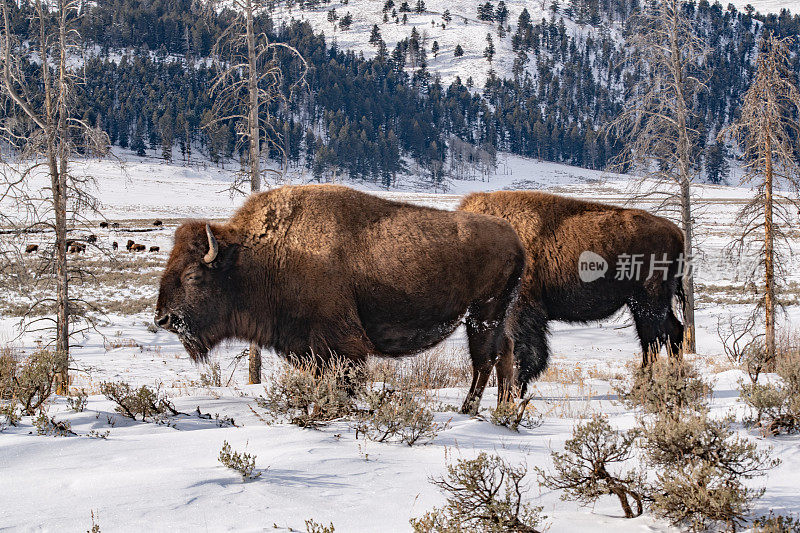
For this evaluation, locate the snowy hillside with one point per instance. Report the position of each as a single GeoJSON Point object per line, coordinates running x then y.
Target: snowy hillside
{"type": "Point", "coordinates": [464, 29]}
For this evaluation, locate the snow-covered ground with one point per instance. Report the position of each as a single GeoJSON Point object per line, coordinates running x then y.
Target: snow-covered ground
{"type": "Point", "coordinates": [147, 477]}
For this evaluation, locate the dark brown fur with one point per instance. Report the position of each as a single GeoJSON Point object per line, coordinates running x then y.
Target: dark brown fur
{"type": "Point", "coordinates": [31, 248]}
{"type": "Point", "coordinates": [317, 270]}
{"type": "Point", "coordinates": [555, 231]}
{"type": "Point", "coordinates": [154, 248]}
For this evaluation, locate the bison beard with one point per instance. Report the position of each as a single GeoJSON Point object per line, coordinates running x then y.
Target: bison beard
{"type": "Point", "coordinates": [314, 271]}
{"type": "Point", "coordinates": [556, 231]}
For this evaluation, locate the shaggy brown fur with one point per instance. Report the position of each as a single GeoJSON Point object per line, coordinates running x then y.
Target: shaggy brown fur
{"type": "Point", "coordinates": [318, 270]}
{"type": "Point", "coordinates": [555, 231]}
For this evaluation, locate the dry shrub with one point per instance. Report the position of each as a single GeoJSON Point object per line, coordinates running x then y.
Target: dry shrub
{"type": "Point", "coordinates": [514, 415]}
{"type": "Point", "coordinates": [700, 465]}
{"type": "Point", "coordinates": [396, 416]}
{"type": "Point", "coordinates": [8, 370]}
{"type": "Point", "coordinates": [243, 463]}
{"type": "Point", "coordinates": [776, 406]}
{"type": "Point", "coordinates": [212, 376]}
{"type": "Point", "coordinates": [309, 395]}
{"type": "Point", "coordinates": [143, 402]}
{"type": "Point", "coordinates": [582, 471]}
{"type": "Point", "coordinates": [315, 527]}
{"type": "Point", "coordinates": [9, 416]}
{"type": "Point", "coordinates": [743, 347]}
{"type": "Point", "coordinates": [483, 494]}
{"type": "Point", "coordinates": [32, 380]}
{"type": "Point", "coordinates": [78, 401]}
{"type": "Point", "coordinates": [776, 523]}
{"type": "Point", "coordinates": [666, 385]}
{"type": "Point", "coordinates": [47, 425]}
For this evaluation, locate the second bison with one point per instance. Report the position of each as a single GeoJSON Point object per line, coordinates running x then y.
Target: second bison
{"type": "Point", "coordinates": [585, 261]}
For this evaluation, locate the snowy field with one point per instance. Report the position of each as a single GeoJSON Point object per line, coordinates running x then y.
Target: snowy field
{"type": "Point", "coordinates": [150, 477]}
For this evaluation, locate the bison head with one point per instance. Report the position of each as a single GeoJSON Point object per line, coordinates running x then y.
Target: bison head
{"type": "Point", "coordinates": [194, 300]}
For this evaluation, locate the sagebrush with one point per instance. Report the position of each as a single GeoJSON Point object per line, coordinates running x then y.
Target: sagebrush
{"type": "Point", "coordinates": [484, 494]}
{"type": "Point", "coordinates": [583, 471]}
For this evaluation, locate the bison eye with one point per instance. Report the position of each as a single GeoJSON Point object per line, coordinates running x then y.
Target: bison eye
{"type": "Point", "coordinates": [193, 276]}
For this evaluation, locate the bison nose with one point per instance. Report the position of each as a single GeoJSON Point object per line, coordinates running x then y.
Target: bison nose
{"type": "Point", "coordinates": [165, 321]}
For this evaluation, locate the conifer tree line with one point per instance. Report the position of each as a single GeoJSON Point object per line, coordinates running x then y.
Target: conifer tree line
{"type": "Point", "coordinates": [147, 76]}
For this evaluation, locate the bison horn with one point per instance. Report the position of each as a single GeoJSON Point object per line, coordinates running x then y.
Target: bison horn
{"type": "Point", "coordinates": [213, 247]}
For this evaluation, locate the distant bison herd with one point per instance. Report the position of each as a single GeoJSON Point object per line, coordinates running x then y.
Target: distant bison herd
{"type": "Point", "coordinates": [319, 270]}
{"type": "Point", "coordinates": [78, 245]}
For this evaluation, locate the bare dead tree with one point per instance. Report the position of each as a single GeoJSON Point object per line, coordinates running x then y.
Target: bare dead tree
{"type": "Point", "coordinates": [767, 131]}
{"type": "Point", "coordinates": [249, 86]}
{"type": "Point", "coordinates": [40, 137]}
{"type": "Point", "coordinates": [657, 122]}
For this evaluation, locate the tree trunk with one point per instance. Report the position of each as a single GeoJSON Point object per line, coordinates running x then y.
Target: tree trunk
{"type": "Point", "coordinates": [688, 275]}
{"type": "Point", "coordinates": [769, 267]}
{"type": "Point", "coordinates": [684, 155]}
{"type": "Point", "coordinates": [254, 157]}
{"type": "Point", "coordinates": [60, 204]}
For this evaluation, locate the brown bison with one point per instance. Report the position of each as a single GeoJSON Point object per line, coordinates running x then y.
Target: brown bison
{"type": "Point", "coordinates": [138, 248]}
{"type": "Point", "coordinates": [31, 248]}
{"type": "Point", "coordinates": [318, 270]}
{"type": "Point", "coordinates": [157, 223]}
{"type": "Point", "coordinates": [104, 224]}
{"type": "Point", "coordinates": [585, 261]}
{"type": "Point", "coordinates": [131, 243]}
{"type": "Point", "coordinates": [115, 245]}
{"type": "Point", "coordinates": [155, 248]}
{"type": "Point", "coordinates": [77, 248]}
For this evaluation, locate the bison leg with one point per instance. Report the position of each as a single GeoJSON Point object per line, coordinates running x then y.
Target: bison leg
{"type": "Point", "coordinates": [531, 349]}
{"type": "Point", "coordinates": [673, 335]}
{"type": "Point", "coordinates": [488, 342]}
{"type": "Point", "coordinates": [648, 327]}
{"type": "Point", "coordinates": [505, 372]}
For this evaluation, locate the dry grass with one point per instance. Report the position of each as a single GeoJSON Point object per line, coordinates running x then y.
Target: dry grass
{"type": "Point", "coordinates": [438, 368]}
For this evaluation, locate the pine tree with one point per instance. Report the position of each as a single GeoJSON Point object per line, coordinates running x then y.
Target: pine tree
{"type": "Point", "coordinates": [458, 52]}
{"type": "Point", "coordinates": [488, 53]}
{"type": "Point", "coordinates": [375, 36]}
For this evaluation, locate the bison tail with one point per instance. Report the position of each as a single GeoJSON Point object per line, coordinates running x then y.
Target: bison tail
{"type": "Point", "coordinates": [679, 292]}
{"type": "Point", "coordinates": [531, 350]}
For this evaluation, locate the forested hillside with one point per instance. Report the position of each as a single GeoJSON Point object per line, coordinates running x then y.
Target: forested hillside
{"type": "Point", "coordinates": [147, 74]}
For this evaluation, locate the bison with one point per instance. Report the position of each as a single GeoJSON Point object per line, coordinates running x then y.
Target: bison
{"type": "Point", "coordinates": [138, 248]}
{"type": "Point", "coordinates": [157, 223]}
{"type": "Point", "coordinates": [115, 245]}
{"type": "Point", "coordinates": [31, 248]}
{"type": "Point", "coordinates": [320, 270]}
{"type": "Point", "coordinates": [154, 248]}
{"type": "Point", "coordinates": [130, 244]}
{"type": "Point", "coordinates": [91, 238]}
{"type": "Point", "coordinates": [573, 251]}
{"type": "Point", "coordinates": [77, 248]}
{"type": "Point", "coordinates": [104, 224]}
